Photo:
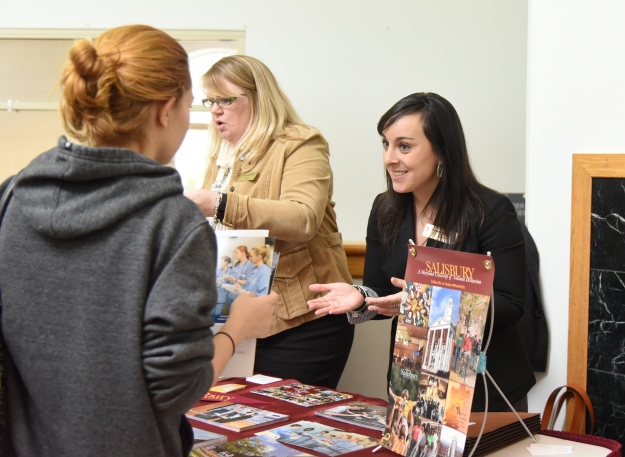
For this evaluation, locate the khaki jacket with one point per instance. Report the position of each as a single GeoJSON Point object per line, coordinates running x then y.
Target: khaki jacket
{"type": "Point", "coordinates": [288, 191]}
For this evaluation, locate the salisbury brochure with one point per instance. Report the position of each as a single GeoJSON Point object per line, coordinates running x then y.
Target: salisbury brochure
{"type": "Point", "coordinates": [357, 413]}
{"type": "Point", "coordinates": [234, 416]}
{"type": "Point", "coordinates": [246, 262]}
{"type": "Point", "coordinates": [303, 394]}
{"type": "Point", "coordinates": [437, 346]}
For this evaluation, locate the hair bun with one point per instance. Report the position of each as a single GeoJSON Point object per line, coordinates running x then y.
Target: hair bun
{"type": "Point", "coordinates": [84, 57]}
{"type": "Point", "coordinates": [109, 86]}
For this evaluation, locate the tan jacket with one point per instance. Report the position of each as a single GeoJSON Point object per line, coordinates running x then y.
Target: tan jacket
{"type": "Point", "coordinates": [288, 191]}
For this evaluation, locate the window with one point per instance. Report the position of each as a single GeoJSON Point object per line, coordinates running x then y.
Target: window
{"type": "Point", "coordinates": [192, 157]}
{"type": "Point", "coordinates": [32, 64]}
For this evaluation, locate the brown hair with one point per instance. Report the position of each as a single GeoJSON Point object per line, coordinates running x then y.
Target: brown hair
{"type": "Point", "coordinates": [243, 249]}
{"type": "Point", "coordinates": [110, 86]}
{"type": "Point", "coordinates": [457, 199]}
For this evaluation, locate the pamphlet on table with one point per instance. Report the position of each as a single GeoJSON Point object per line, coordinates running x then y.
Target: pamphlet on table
{"type": "Point", "coordinates": [234, 416]}
{"type": "Point", "coordinates": [320, 438]}
{"type": "Point", "coordinates": [303, 394]}
{"type": "Point", "coordinates": [252, 446]}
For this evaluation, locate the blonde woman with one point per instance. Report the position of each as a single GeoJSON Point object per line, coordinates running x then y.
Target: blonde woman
{"type": "Point", "coordinates": [269, 170]}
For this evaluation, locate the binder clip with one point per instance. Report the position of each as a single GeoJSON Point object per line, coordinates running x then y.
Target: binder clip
{"type": "Point", "coordinates": [481, 363]}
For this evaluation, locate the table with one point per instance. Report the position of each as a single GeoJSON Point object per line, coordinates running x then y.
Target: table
{"type": "Point", "coordinates": [295, 412]}
{"type": "Point", "coordinates": [298, 413]}
{"type": "Point", "coordinates": [519, 449]}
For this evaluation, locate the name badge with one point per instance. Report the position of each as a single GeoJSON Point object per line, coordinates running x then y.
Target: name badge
{"type": "Point", "coordinates": [249, 176]}
{"type": "Point", "coordinates": [435, 233]}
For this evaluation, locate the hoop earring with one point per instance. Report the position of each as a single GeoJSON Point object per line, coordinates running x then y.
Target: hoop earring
{"type": "Point", "coordinates": [439, 170]}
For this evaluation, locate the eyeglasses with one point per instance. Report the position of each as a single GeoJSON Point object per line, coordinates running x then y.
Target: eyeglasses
{"type": "Point", "coordinates": [219, 101]}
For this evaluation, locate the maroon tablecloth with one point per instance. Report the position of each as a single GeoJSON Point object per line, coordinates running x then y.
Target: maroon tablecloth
{"type": "Point", "coordinates": [295, 412]}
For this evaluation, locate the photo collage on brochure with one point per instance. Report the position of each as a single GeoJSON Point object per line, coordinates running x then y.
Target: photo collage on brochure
{"type": "Point", "coordinates": [235, 270]}
{"type": "Point", "coordinates": [240, 269]}
{"type": "Point", "coordinates": [434, 365]}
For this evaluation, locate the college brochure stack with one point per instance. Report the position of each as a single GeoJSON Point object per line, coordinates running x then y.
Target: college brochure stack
{"type": "Point", "coordinates": [501, 430]}
{"type": "Point", "coordinates": [233, 416]}
{"type": "Point", "coordinates": [436, 351]}
{"type": "Point", "coordinates": [303, 394]}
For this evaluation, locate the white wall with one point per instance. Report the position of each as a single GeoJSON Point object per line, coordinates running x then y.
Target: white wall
{"type": "Point", "coordinates": [344, 63]}
{"type": "Point", "coordinates": [576, 100]}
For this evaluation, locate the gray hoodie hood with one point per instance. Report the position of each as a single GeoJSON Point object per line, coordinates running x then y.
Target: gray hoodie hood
{"type": "Point", "coordinates": [67, 191]}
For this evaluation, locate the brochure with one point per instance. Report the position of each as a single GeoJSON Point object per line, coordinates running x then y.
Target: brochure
{"type": "Point", "coordinates": [357, 413]}
{"type": "Point", "coordinates": [234, 416]}
{"type": "Point", "coordinates": [225, 388]}
{"type": "Point", "coordinates": [254, 446]}
{"type": "Point", "coordinates": [206, 438]}
{"type": "Point", "coordinates": [303, 394]}
{"type": "Point", "coordinates": [437, 345]}
{"type": "Point", "coordinates": [238, 273]}
{"type": "Point", "coordinates": [320, 438]}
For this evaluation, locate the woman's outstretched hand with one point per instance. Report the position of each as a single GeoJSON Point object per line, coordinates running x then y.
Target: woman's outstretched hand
{"type": "Point", "coordinates": [340, 298]}
{"type": "Point", "coordinates": [391, 304]}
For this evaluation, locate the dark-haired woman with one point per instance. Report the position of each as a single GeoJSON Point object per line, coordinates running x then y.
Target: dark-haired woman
{"type": "Point", "coordinates": [434, 198]}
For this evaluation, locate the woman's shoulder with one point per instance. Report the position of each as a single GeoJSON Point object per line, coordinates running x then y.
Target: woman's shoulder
{"type": "Point", "coordinates": [376, 201]}
{"type": "Point", "coordinates": [495, 201]}
{"type": "Point", "coordinates": [300, 132]}
{"type": "Point", "coordinates": [490, 195]}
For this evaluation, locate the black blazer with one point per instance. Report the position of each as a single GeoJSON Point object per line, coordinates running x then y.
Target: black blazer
{"type": "Point", "coordinates": [500, 234]}
{"type": "Point", "coordinates": [533, 324]}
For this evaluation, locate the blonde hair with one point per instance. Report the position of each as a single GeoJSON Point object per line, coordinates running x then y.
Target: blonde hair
{"type": "Point", "coordinates": [110, 86]}
{"type": "Point", "coordinates": [263, 252]}
{"type": "Point", "coordinates": [271, 109]}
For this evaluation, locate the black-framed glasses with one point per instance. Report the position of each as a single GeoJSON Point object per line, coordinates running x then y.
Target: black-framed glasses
{"type": "Point", "coordinates": [220, 101]}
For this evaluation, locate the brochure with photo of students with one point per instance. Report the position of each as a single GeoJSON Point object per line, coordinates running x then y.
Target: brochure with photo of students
{"type": "Point", "coordinates": [357, 413]}
{"type": "Point", "coordinates": [246, 262]}
{"type": "Point", "coordinates": [303, 394]}
{"type": "Point", "coordinates": [436, 351]}
{"type": "Point", "coordinates": [320, 438]}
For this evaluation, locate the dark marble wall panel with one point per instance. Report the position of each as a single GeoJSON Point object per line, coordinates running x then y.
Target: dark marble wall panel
{"type": "Point", "coordinates": [606, 321]}
{"type": "Point", "coordinates": [606, 313]}
{"type": "Point", "coordinates": [607, 237]}
{"type": "Point", "coordinates": [609, 410]}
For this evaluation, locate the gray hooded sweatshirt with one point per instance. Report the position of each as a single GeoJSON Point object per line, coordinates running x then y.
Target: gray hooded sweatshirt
{"type": "Point", "coordinates": [107, 275]}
